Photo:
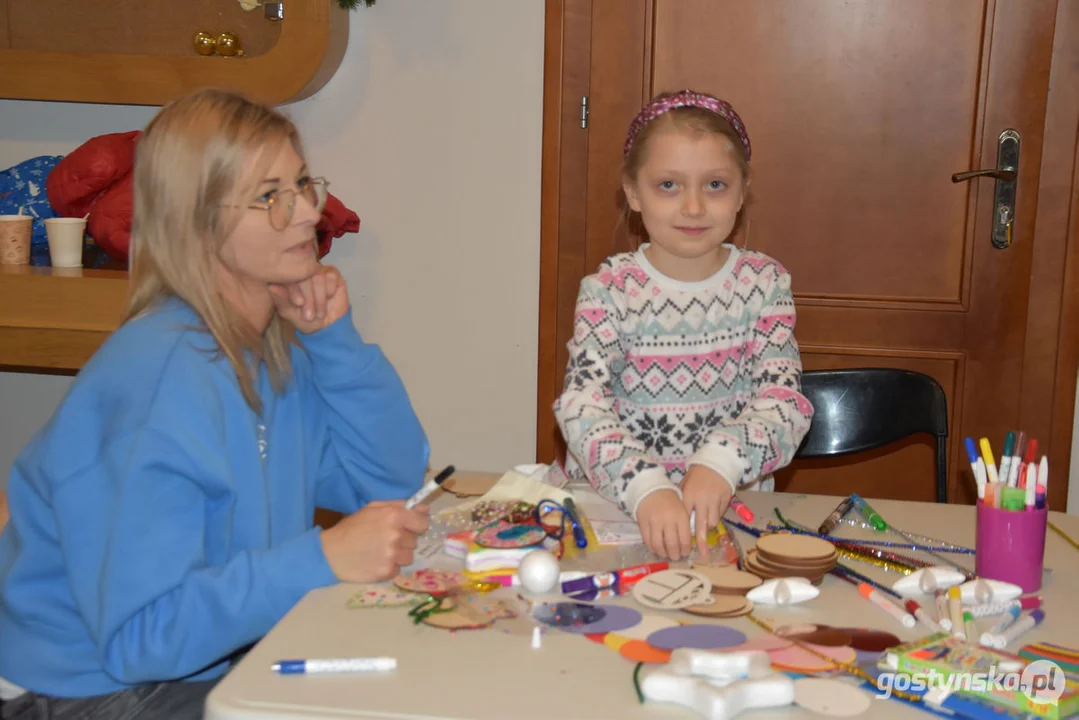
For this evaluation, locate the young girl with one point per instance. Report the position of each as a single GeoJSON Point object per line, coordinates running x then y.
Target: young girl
{"type": "Point", "coordinates": [163, 519]}
{"type": "Point", "coordinates": [684, 377]}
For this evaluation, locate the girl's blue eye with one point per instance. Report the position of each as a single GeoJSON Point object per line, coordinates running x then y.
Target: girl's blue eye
{"type": "Point", "coordinates": [667, 185]}
{"type": "Point", "coordinates": [266, 197]}
{"type": "Point", "coordinates": [717, 185]}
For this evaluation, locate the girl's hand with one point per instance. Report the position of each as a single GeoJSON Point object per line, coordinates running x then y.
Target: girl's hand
{"type": "Point", "coordinates": [707, 494]}
{"type": "Point", "coordinates": [314, 303]}
{"type": "Point", "coordinates": [375, 542]}
{"type": "Point", "coordinates": [665, 525]}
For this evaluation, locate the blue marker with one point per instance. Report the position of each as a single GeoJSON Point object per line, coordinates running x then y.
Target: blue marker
{"type": "Point", "coordinates": [977, 466]}
{"type": "Point", "coordinates": [972, 450]}
{"type": "Point", "coordinates": [334, 665]}
{"type": "Point", "coordinates": [575, 522]}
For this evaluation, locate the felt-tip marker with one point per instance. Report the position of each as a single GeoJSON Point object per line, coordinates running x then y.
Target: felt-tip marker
{"type": "Point", "coordinates": [433, 484]}
{"type": "Point", "coordinates": [871, 516]}
{"type": "Point", "coordinates": [743, 512]}
{"type": "Point", "coordinates": [334, 665]}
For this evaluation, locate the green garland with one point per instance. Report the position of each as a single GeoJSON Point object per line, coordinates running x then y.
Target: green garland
{"type": "Point", "coordinates": [353, 4]}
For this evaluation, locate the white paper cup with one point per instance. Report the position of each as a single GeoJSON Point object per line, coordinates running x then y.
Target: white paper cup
{"type": "Point", "coordinates": [15, 233]}
{"type": "Point", "coordinates": [65, 241]}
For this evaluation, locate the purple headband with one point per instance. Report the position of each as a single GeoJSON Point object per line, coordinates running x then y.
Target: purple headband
{"type": "Point", "coordinates": [687, 98]}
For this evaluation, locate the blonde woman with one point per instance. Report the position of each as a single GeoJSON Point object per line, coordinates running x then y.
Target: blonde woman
{"type": "Point", "coordinates": [163, 518]}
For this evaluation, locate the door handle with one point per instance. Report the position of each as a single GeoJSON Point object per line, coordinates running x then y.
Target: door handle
{"type": "Point", "coordinates": [1006, 174]}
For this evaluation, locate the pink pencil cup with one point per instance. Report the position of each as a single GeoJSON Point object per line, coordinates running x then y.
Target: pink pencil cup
{"type": "Point", "coordinates": [1010, 546]}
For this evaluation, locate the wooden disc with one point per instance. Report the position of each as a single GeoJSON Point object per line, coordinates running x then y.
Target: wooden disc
{"type": "Point", "coordinates": [457, 620]}
{"type": "Point", "coordinates": [672, 589]}
{"type": "Point", "coordinates": [753, 565]}
{"type": "Point", "coordinates": [788, 570]}
{"type": "Point", "coordinates": [815, 567]}
{"type": "Point", "coordinates": [795, 548]}
{"type": "Point", "coordinates": [798, 563]}
{"type": "Point", "coordinates": [724, 606]}
{"type": "Point", "coordinates": [432, 582]}
{"type": "Point", "coordinates": [727, 579]}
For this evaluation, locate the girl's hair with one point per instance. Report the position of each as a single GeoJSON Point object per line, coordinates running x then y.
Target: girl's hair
{"type": "Point", "coordinates": [684, 111]}
{"type": "Point", "coordinates": [191, 164]}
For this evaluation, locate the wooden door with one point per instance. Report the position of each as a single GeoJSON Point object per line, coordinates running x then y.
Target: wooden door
{"type": "Point", "coordinates": [860, 112]}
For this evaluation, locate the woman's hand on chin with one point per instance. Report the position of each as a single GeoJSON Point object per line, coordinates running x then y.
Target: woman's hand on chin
{"type": "Point", "coordinates": [313, 303]}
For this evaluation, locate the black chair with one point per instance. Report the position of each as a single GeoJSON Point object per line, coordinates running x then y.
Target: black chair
{"type": "Point", "coordinates": [866, 408]}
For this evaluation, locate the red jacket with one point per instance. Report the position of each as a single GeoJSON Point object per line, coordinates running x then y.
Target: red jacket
{"type": "Point", "coordinates": [96, 180]}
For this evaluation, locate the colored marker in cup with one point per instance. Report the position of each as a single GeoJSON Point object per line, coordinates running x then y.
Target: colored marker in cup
{"type": "Point", "coordinates": [1012, 498]}
{"type": "Point", "coordinates": [990, 464]}
{"type": "Point", "coordinates": [1006, 457]}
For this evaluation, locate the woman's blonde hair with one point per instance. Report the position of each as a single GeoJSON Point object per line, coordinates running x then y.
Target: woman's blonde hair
{"type": "Point", "coordinates": [191, 164]}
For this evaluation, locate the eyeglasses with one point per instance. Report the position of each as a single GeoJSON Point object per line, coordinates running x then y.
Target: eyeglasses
{"type": "Point", "coordinates": [281, 204]}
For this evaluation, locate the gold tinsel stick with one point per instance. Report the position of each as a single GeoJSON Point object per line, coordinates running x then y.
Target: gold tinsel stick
{"type": "Point", "coordinates": [889, 565]}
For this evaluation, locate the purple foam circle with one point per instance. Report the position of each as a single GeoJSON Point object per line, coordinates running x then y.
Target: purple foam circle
{"type": "Point", "coordinates": [616, 618]}
{"type": "Point", "coordinates": [699, 636]}
{"type": "Point", "coordinates": [564, 614]}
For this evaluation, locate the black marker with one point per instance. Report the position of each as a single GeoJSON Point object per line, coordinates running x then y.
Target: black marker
{"type": "Point", "coordinates": [430, 487]}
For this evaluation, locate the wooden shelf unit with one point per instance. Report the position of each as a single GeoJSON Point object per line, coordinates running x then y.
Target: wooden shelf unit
{"type": "Point", "coordinates": [305, 54]}
{"type": "Point", "coordinates": [54, 319]}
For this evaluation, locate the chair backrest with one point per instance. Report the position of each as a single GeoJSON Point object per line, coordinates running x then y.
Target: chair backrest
{"type": "Point", "coordinates": [865, 408]}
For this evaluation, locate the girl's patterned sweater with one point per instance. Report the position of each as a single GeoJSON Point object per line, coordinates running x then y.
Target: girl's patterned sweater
{"type": "Point", "coordinates": [664, 375]}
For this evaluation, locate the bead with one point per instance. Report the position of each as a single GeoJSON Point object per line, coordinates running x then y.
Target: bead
{"type": "Point", "coordinates": [205, 43]}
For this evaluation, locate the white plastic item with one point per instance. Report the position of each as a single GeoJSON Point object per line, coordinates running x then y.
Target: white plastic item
{"type": "Point", "coordinates": [980, 591]}
{"type": "Point", "coordinates": [65, 237]}
{"type": "Point", "coordinates": [784, 591]}
{"type": "Point", "coordinates": [717, 686]}
{"type": "Point", "coordinates": [928, 580]}
{"type": "Point", "coordinates": [538, 572]}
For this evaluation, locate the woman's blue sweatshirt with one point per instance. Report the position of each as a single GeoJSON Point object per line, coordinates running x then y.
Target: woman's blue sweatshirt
{"type": "Point", "coordinates": [159, 525]}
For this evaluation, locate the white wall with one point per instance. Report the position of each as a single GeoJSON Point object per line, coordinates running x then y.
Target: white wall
{"type": "Point", "coordinates": [431, 132]}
